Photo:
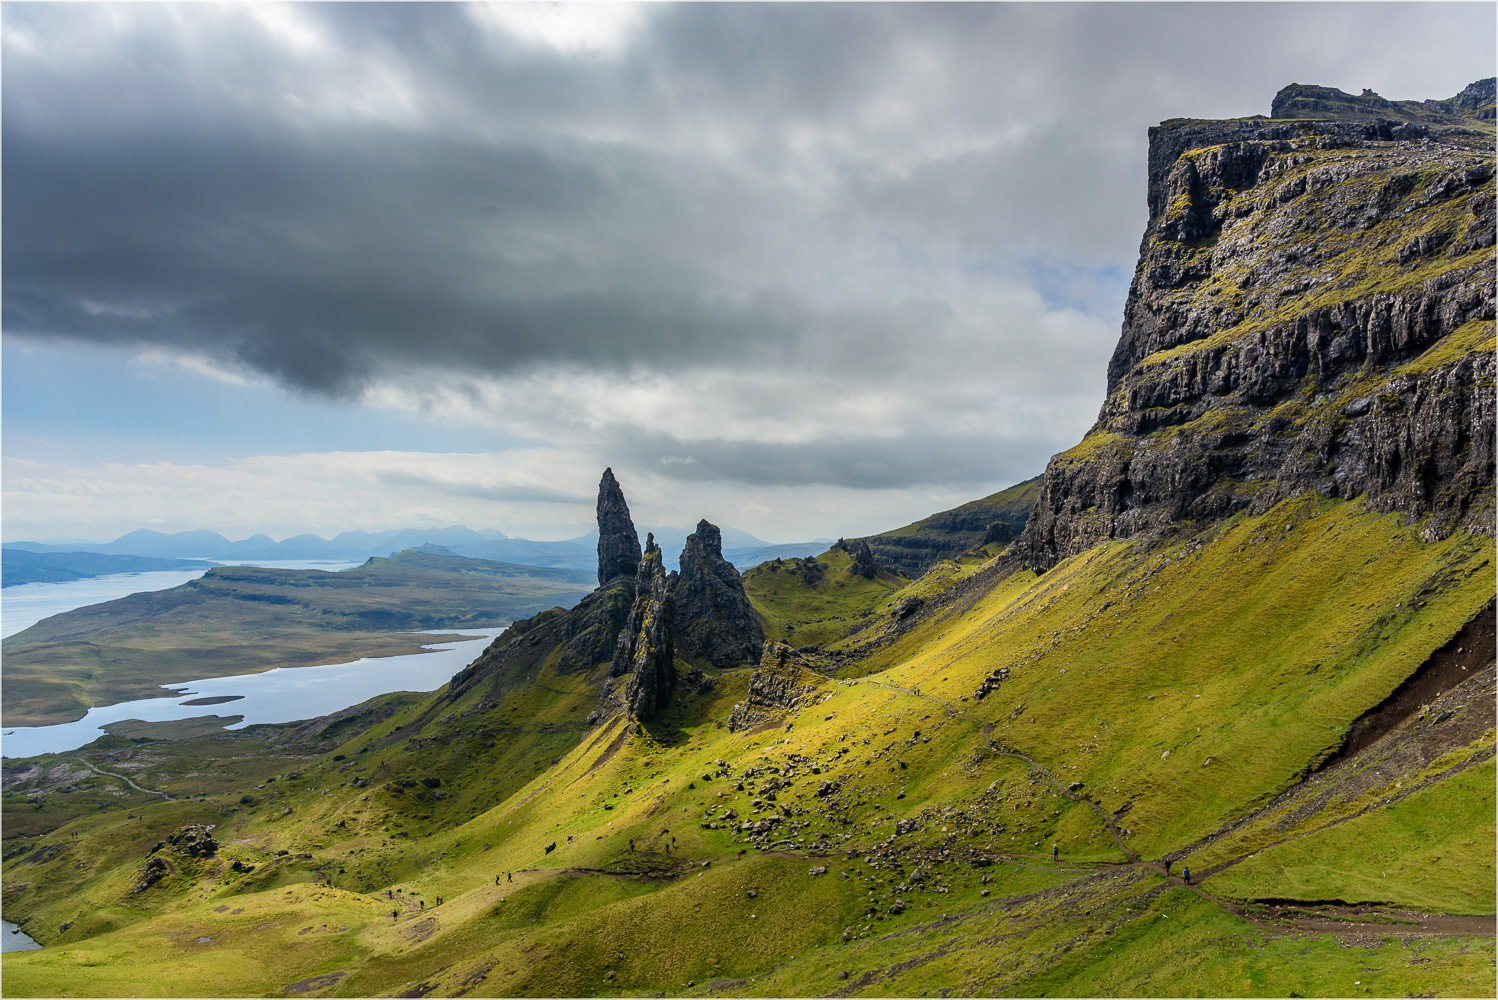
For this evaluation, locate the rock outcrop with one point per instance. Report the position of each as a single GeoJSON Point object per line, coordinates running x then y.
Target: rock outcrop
{"type": "Point", "coordinates": [783, 681]}
{"type": "Point", "coordinates": [1313, 309]}
{"type": "Point", "coordinates": [862, 557]}
{"type": "Point", "coordinates": [618, 544]}
{"type": "Point", "coordinates": [1303, 101]}
{"type": "Point", "coordinates": [193, 841]}
{"type": "Point", "coordinates": [714, 620]}
{"type": "Point", "coordinates": [645, 655]}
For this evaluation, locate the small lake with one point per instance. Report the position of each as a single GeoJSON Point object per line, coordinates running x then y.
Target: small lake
{"type": "Point", "coordinates": [17, 941]}
{"type": "Point", "coordinates": [22, 607]}
{"type": "Point", "coordinates": [285, 694]}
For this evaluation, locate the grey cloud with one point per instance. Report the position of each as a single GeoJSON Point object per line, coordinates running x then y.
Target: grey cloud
{"type": "Point", "coordinates": [825, 188]}
{"type": "Point", "coordinates": [482, 491]}
{"type": "Point", "coordinates": [923, 458]}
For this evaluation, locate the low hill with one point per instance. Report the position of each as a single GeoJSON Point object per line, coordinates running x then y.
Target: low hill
{"type": "Point", "coordinates": [238, 619]}
{"type": "Point", "coordinates": [20, 566]}
{"type": "Point", "coordinates": [997, 518]}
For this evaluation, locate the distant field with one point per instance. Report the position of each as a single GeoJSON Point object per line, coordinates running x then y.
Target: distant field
{"type": "Point", "coordinates": [246, 619]}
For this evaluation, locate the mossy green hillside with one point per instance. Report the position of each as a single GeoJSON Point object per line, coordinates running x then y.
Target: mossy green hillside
{"type": "Point", "coordinates": [815, 601]}
{"type": "Point", "coordinates": [913, 549]}
{"type": "Point", "coordinates": [1183, 682]}
{"type": "Point", "coordinates": [1432, 850]}
{"type": "Point", "coordinates": [1289, 624]}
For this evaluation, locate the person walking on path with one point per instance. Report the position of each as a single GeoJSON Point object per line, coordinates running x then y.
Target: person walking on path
{"type": "Point", "coordinates": [1167, 866]}
{"type": "Point", "coordinates": [395, 915]}
{"type": "Point", "coordinates": [509, 876]}
{"type": "Point", "coordinates": [1055, 852]}
{"type": "Point", "coordinates": [1186, 874]}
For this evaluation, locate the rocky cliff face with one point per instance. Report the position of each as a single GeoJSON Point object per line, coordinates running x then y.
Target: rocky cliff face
{"type": "Point", "coordinates": [645, 654]}
{"type": "Point", "coordinates": [782, 682]}
{"type": "Point", "coordinates": [618, 544]}
{"type": "Point", "coordinates": [1313, 309]}
{"type": "Point", "coordinates": [714, 620]}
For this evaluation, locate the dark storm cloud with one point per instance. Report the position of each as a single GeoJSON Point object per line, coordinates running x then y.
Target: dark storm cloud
{"type": "Point", "coordinates": [337, 196]}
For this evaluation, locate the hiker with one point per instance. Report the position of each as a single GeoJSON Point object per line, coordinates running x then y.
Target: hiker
{"type": "Point", "coordinates": [423, 903]}
{"type": "Point", "coordinates": [1055, 852]}
{"type": "Point", "coordinates": [1167, 866]}
{"type": "Point", "coordinates": [1186, 874]}
{"type": "Point", "coordinates": [395, 915]}
{"type": "Point", "coordinates": [631, 843]}
{"type": "Point", "coordinates": [389, 894]}
{"type": "Point", "coordinates": [496, 880]}
{"type": "Point", "coordinates": [509, 877]}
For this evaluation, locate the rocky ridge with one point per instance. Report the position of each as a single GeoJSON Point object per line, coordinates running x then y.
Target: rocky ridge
{"type": "Point", "coordinates": [1313, 309]}
{"type": "Point", "coordinates": [916, 547]}
{"type": "Point", "coordinates": [644, 655]}
{"type": "Point", "coordinates": [783, 681]}
{"type": "Point", "coordinates": [714, 620]}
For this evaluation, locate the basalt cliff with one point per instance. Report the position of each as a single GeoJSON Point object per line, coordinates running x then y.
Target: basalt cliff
{"type": "Point", "coordinates": [1312, 309]}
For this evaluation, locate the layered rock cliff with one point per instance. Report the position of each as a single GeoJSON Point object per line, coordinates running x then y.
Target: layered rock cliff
{"type": "Point", "coordinates": [1313, 309]}
{"type": "Point", "coordinates": [714, 620]}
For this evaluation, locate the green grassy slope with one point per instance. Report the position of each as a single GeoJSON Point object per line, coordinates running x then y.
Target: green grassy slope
{"type": "Point", "coordinates": [813, 601]}
{"type": "Point", "coordinates": [240, 619]}
{"type": "Point", "coordinates": [1245, 652]}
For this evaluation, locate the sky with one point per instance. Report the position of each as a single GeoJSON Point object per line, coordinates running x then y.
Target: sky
{"type": "Point", "coordinates": [804, 270]}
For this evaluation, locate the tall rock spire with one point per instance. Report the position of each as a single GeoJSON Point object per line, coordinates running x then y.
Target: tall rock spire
{"type": "Point", "coordinates": [645, 651]}
{"type": "Point", "coordinates": [618, 544]}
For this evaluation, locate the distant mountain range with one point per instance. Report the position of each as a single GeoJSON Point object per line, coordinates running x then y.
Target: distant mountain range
{"type": "Point", "coordinates": [740, 548]}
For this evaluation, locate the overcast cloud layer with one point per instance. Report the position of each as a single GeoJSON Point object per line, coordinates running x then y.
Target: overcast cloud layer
{"type": "Point", "coordinates": [872, 251]}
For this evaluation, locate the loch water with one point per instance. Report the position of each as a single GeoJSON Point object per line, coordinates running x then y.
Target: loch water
{"type": "Point", "coordinates": [12, 938]}
{"type": "Point", "coordinates": [284, 694]}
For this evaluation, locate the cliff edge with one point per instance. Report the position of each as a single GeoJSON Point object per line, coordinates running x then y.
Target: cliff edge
{"type": "Point", "coordinates": [1313, 309]}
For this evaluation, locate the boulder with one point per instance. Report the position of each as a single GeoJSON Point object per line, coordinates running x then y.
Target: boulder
{"type": "Point", "coordinates": [194, 841]}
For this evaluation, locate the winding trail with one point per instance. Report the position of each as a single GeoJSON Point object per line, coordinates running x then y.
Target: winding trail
{"type": "Point", "coordinates": [124, 778]}
{"type": "Point", "coordinates": [1342, 919]}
